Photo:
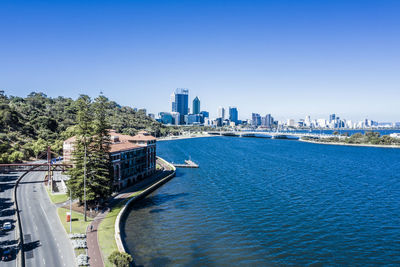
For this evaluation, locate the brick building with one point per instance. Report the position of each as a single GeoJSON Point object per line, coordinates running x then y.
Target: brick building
{"type": "Point", "coordinates": [133, 157]}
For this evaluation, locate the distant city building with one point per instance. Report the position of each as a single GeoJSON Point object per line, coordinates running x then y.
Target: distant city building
{"type": "Point", "coordinates": [332, 117]}
{"type": "Point", "coordinates": [193, 119]}
{"type": "Point", "coordinates": [177, 118]}
{"type": "Point", "coordinates": [205, 114]}
{"type": "Point", "coordinates": [207, 121]}
{"type": "Point", "coordinates": [180, 102]}
{"type": "Point", "coordinates": [233, 114]}
{"type": "Point", "coordinates": [255, 119]}
{"type": "Point", "coordinates": [172, 100]}
{"type": "Point", "coordinates": [221, 113]}
{"type": "Point", "coordinates": [290, 123]}
{"type": "Point", "coordinates": [307, 121]}
{"type": "Point", "coordinates": [321, 123]}
{"type": "Point", "coordinates": [217, 122]}
{"type": "Point", "coordinates": [166, 118]}
{"type": "Point", "coordinates": [196, 105]}
{"type": "Point", "coordinates": [267, 121]}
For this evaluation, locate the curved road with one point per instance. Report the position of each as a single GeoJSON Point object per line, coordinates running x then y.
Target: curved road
{"type": "Point", "coordinates": [45, 241]}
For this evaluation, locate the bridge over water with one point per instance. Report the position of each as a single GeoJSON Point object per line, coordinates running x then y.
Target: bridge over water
{"type": "Point", "coordinates": [273, 135]}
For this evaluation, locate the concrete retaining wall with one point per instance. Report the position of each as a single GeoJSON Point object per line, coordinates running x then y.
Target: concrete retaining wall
{"type": "Point", "coordinates": [143, 194]}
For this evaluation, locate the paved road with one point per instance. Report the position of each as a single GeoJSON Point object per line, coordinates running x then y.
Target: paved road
{"type": "Point", "coordinates": [7, 213]}
{"type": "Point", "coordinates": [46, 242]}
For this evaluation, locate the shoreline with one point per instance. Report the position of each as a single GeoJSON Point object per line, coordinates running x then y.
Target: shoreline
{"type": "Point", "coordinates": [180, 137]}
{"type": "Point", "coordinates": [345, 144]}
{"type": "Point", "coordinates": [122, 211]}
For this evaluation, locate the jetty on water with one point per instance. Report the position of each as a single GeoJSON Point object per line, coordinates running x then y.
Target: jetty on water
{"type": "Point", "coordinates": [187, 164]}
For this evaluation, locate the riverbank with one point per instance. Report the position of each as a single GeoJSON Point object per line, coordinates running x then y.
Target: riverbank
{"type": "Point", "coordinates": [185, 137]}
{"type": "Point", "coordinates": [346, 144]}
{"type": "Point", "coordinates": [106, 235]}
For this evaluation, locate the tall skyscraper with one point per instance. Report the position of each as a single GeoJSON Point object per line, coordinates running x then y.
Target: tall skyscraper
{"type": "Point", "coordinates": [255, 119]}
{"type": "Point", "coordinates": [172, 99]}
{"type": "Point", "coordinates": [196, 105]}
{"type": "Point", "coordinates": [221, 113]}
{"type": "Point", "coordinates": [332, 117]}
{"type": "Point", "coordinates": [181, 102]}
{"type": "Point", "coordinates": [233, 114]}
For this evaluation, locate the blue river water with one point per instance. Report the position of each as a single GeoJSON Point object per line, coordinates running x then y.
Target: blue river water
{"type": "Point", "coordinates": [263, 202]}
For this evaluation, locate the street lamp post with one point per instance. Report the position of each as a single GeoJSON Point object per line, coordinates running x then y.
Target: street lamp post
{"type": "Point", "coordinates": [84, 181]}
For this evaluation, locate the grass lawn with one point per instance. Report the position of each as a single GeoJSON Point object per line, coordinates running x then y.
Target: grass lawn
{"type": "Point", "coordinates": [106, 231]}
{"type": "Point", "coordinates": [78, 224]}
{"type": "Point", "coordinates": [57, 198]}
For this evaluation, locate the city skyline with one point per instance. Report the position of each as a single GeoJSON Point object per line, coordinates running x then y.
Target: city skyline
{"type": "Point", "coordinates": [289, 59]}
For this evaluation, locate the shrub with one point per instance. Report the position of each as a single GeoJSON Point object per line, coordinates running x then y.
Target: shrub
{"type": "Point", "coordinates": [120, 259]}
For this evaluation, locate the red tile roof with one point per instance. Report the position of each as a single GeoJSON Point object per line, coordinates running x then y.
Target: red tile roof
{"type": "Point", "coordinates": [126, 142]}
{"type": "Point", "coordinates": [117, 147]}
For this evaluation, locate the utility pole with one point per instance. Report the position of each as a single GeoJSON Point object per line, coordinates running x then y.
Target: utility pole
{"type": "Point", "coordinates": [70, 211]}
{"type": "Point", "coordinates": [84, 180]}
{"type": "Point", "coordinates": [49, 184]}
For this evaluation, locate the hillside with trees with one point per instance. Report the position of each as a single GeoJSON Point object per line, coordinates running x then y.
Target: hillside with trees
{"type": "Point", "coordinates": [29, 124]}
{"type": "Point", "coordinates": [369, 138]}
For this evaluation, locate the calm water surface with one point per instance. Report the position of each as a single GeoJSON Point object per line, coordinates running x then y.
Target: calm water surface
{"type": "Point", "coordinates": [263, 202]}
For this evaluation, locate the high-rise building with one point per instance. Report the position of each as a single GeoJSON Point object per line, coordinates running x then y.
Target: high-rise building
{"type": "Point", "coordinates": [196, 105]}
{"type": "Point", "coordinates": [307, 121]}
{"type": "Point", "coordinates": [290, 123]}
{"type": "Point", "coordinates": [180, 102]}
{"type": "Point", "coordinates": [233, 114]}
{"type": "Point", "coordinates": [205, 114]}
{"type": "Point", "coordinates": [332, 117]}
{"type": "Point", "coordinates": [193, 119]}
{"type": "Point", "coordinates": [255, 119]}
{"type": "Point", "coordinates": [166, 118]}
{"type": "Point", "coordinates": [221, 113]}
{"type": "Point", "coordinates": [268, 121]}
{"type": "Point", "coordinates": [172, 99]}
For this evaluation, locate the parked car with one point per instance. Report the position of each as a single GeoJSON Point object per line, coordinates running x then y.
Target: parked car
{"type": "Point", "coordinates": [7, 254]}
{"type": "Point", "coordinates": [7, 226]}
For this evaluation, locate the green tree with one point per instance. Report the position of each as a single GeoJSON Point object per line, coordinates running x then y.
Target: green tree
{"type": "Point", "coordinates": [100, 181]}
{"type": "Point", "coordinates": [120, 259]}
{"type": "Point", "coordinates": [81, 150]}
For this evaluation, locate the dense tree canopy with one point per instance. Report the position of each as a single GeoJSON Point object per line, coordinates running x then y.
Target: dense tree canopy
{"type": "Point", "coordinates": [29, 124]}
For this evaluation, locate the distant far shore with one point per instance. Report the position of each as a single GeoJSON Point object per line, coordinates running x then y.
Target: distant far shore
{"type": "Point", "coordinates": [179, 137]}
{"type": "Point", "coordinates": [346, 144]}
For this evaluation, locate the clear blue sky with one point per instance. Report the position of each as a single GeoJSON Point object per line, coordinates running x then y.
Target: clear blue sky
{"type": "Point", "coordinates": [287, 58]}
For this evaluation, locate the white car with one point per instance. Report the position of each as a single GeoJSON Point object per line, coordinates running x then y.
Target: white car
{"type": "Point", "coordinates": [7, 226]}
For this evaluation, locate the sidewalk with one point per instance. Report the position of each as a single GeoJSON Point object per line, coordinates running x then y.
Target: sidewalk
{"type": "Point", "coordinates": [94, 253]}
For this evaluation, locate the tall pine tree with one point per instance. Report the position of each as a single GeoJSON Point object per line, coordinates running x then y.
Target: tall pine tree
{"type": "Point", "coordinates": [83, 139]}
{"type": "Point", "coordinates": [92, 133]}
{"type": "Point", "coordinates": [101, 178]}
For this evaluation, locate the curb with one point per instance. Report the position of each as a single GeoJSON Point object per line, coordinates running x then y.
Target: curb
{"type": "Point", "coordinates": [20, 258]}
{"type": "Point", "coordinates": [144, 193]}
